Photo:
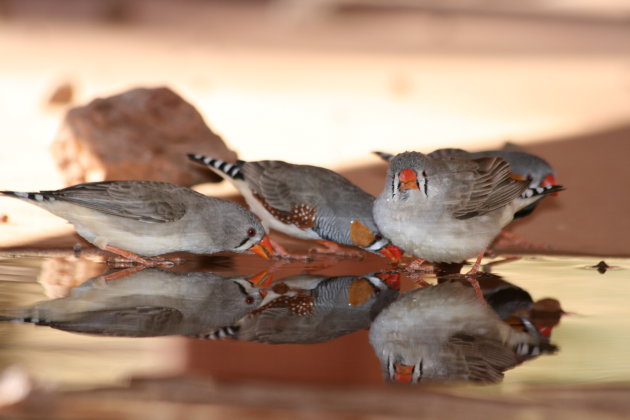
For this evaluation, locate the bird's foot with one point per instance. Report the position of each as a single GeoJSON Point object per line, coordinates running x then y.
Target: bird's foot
{"type": "Point", "coordinates": [332, 248]}
{"type": "Point", "coordinates": [281, 253]}
{"type": "Point", "coordinates": [128, 259]}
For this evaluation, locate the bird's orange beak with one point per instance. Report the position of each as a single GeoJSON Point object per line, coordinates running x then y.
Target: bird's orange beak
{"type": "Point", "coordinates": [408, 180]}
{"type": "Point", "coordinates": [392, 253]}
{"type": "Point", "coordinates": [263, 248]}
{"type": "Point", "coordinates": [548, 181]}
{"type": "Point", "coordinates": [402, 373]}
{"type": "Point", "coordinates": [260, 280]}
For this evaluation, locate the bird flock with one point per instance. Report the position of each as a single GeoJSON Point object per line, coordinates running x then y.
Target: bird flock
{"type": "Point", "coordinates": [443, 207]}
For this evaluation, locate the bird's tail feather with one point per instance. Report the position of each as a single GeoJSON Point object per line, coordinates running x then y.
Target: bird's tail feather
{"type": "Point", "coordinates": [34, 196]}
{"type": "Point", "coordinates": [221, 333]}
{"type": "Point", "coordinates": [384, 155]}
{"type": "Point", "coordinates": [220, 167]}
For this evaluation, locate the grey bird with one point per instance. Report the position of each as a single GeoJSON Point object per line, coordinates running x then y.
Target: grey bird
{"type": "Point", "coordinates": [306, 202]}
{"type": "Point", "coordinates": [313, 309]}
{"type": "Point", "coordinates": [444, 333]}
{"type": "Point", "coordinates": [139, 219]}
{"type": "Point", "coordinates": [539, 173]}
{"type": "Point", "coordinates": [448, 210]}
{"type": "Point", "coordinates": [151, 302]}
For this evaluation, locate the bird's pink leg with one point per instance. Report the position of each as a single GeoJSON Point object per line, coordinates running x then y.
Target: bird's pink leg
{"type": "Point", "coordinates": [471, 277]}
{"type": "Point", "coordinates": [148, 262]}
{"type": "Point", "coordinates": [477, 264]}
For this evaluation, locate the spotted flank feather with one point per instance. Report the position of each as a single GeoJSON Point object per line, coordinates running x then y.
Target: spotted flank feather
{"type": "Point", "coordinates": [39, 197]}
{"type": "Point", "coordinates": [232, 170]}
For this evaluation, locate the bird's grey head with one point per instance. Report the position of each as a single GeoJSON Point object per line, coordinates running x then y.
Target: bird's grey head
{"type": "Point", "coordinates": [407, 175]}
{"type": "Point", "coordinates": [243, 232]}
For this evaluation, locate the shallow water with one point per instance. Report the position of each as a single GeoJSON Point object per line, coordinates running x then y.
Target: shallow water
{"type": "Point", "coordinates": [593, 338]}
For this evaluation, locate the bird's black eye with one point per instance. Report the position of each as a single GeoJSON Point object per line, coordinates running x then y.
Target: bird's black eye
{"type": "Point", "coordinates": [251, 232]}
{"type": "Point", "coordinates": [378, 237]}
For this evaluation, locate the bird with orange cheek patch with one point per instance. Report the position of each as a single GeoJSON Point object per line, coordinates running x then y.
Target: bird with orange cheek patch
{"type": "Point", "coordinates": [309, 308]}
{"type": "Point", "coordinates": [446, 210]}
{"type": "Point", "coordinates": [443, 333]}
{"type": "Point", "coordinates": [306, 202]}
{"type": "Point", "coordinates": [541, 176]}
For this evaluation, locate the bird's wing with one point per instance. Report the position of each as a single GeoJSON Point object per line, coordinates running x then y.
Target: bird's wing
{"type": "Point", "coordinates": [479, 359]}
{"type": "Point", "coordinates": [282, 185]}
{"type": "Point", "coordinates": [144, 201]}
{"type": "Point", "coordinates": [138, 321]}
{"type": "Point", "coordinates": [489, 186]}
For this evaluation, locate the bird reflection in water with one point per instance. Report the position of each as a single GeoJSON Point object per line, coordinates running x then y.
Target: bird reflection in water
{"type": "Point", "coordinates": [151, 302]}
{"type": "Point", "coordinates": [313, 309]}
{"type": "Point", "coordinates": [444, 333]}
{"type": "Point", "coordinates": [438, 332]}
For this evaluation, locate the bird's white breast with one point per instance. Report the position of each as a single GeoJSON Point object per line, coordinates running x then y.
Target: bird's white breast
{"type": "Point", "coordinates": [434, 234]}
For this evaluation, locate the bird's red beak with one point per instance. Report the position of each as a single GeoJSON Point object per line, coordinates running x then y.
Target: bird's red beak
{"type": "Point", "coordinates": [402, 373]}
{"type": "Point", "coordinates": [408, 180]}
{"type": "Point", "coordinates": [392, 253]}
{"type": "Point", "coordinates": [548, 181]}
{"type": "Point", "coordinates": [263, 248]}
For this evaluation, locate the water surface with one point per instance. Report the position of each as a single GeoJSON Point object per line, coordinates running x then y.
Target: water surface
{"type": "Point", "coordinates": [593, 338]}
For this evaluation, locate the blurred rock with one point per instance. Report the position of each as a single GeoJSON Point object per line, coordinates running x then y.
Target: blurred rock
{"type": "Point", "coordinates": [62, 95]}
{"type": "Point", "coordinates": [139, 134]}
{"type": "Point", "coordinates": [60, 274]}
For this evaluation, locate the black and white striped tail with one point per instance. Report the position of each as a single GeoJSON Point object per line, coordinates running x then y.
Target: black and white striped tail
{"type": "Point", "coordinates": [385, 156]}
{"type": "Point", "coordinates": [39, 197]}
{"type": "Point", "coordinates": [232, 170]}
{"type": "Point", "coordinates": [536, 191]}
{"type": "Point", "coordinates": [221, 333]}
{"type": "Point", "coordinates": [526, 351]}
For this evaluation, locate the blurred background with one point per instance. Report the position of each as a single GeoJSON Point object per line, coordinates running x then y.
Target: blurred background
{"type": "Point", "coordinates": [321, 81]}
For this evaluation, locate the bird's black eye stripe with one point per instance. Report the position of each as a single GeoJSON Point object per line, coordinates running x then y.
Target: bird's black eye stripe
{"type": "Point", "coordinates": [426, 183]}
{"type": "Point", "coordinates": [243, 242]}
{"type": "Point", "coordinates": [240, 286]}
